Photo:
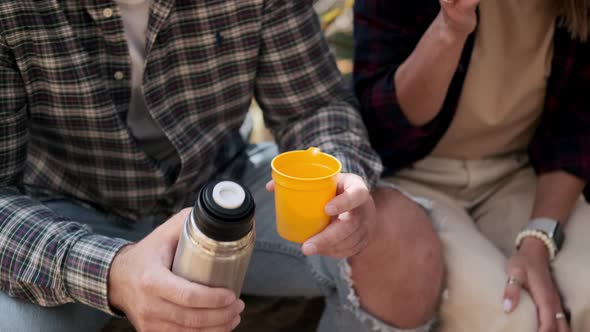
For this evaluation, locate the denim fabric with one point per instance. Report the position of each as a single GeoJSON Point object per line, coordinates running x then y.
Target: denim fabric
{"type": "Point", "coordinates": [278, 268]}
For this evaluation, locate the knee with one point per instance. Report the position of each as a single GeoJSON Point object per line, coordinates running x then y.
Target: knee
{"type": "Point", "coordinates": [407, 243]}
{"type": "Point", "coordinates": [403, 266]}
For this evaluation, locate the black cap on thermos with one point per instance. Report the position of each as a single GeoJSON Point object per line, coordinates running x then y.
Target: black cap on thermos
{"type": "Point", "coordinates": [224, 211]}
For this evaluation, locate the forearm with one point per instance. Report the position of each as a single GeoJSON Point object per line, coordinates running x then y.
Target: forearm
{"type": "Point", "coordinates": [556, 196]}
{"type": "Point", "coordinates": [53, 261]}
{"type": "Point", "coordinates": [336, 129]}
{"type": "Point", "coordinates": [423, 80]}
{"type": "Point", "coordinates": [309, 106]}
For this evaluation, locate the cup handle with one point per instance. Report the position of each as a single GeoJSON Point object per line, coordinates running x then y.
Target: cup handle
{"type": "Point", "coordinates": [313, 151]}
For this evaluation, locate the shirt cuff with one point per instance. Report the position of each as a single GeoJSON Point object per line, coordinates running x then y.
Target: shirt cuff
{"type": "Point", "coordinates": [87, 267]}
{"type": "Point", "coordinates": [349, 166]}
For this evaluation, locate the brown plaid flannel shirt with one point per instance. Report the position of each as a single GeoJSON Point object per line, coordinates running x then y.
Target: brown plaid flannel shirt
{"type": "Point", "coordinates": [63, 130]}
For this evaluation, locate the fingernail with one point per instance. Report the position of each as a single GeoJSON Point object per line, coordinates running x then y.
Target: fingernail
{"type": "Point", "coordinates": [241, 306]}
{"type": "Point", "coordinates": [507, 304]}
{"type": "Point", "coordinates": [309, 249]}
{"type": "Point", "coordinates": [331, 210]}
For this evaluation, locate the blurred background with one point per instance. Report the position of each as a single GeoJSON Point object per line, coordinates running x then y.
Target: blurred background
{"type": "Point", "coordinates": [336, 19]}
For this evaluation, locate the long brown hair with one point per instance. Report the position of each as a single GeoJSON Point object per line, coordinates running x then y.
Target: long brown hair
{"type": "Point", "coordinates": [575, 16]}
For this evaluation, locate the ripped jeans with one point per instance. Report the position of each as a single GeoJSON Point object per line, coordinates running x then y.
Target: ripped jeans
{"type": "Point", "coordinates": [278, 268]}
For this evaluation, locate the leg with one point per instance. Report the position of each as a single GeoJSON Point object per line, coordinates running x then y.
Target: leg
{"type": "Point", "coordinates": [16, 315]}
{"type": "Point", "coordinates": [407, 252]}
{"type": "Point", "coordinates": [278, 268]}
{"type": "Point", "coordinates": [476, 281]}
{"type": "Point", "coordinates": [509, 211]}
{"type": "Point", "coordinates": [475, 275]}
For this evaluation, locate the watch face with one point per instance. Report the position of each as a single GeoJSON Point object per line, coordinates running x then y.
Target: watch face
{"type": "Point", "coordinates": [550, 227]}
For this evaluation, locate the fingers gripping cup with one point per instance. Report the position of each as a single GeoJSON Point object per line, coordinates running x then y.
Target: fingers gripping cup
{"type": "Point", "coordinates": [305, 181]}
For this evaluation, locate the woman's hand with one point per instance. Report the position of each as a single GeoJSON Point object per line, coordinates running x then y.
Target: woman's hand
{"type": "Point", "coordinates": [529, 269]}
{"type": "Point", "coordinates": [460, 15]}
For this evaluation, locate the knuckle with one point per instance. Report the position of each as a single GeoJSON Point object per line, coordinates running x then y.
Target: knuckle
{"type": "Point", "coordinates": [347, 200]}
{"type": "Point", "coordinates": [519, 269]}
{"type": "Point", "coordinates": [143, 312]}
{"type": "Point", "coordinates": [186, 297]}
{"type": "Point", "coordinates": [146, 282]}
{"type": "Point", "coordinates": [218, 300]}
{"type": "Point", "coordinates": [353, 214]}
{"type": "Point", "coordinates": [350, 226]}
{"type": "Point", "coordinates": [516, 270]}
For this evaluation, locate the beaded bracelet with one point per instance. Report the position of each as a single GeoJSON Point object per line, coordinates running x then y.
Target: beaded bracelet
{"type": "Point", "coordinates": [541, 236]}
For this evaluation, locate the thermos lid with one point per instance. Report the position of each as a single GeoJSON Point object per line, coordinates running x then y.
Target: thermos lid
{"type": "Point", "coordinates": [229, 195]}
{"type": "Point", "coordinates": [224, 211]}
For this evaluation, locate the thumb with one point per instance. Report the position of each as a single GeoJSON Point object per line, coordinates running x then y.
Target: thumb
{"type": "Point", "coordinates": [270, 186]}
{"type": "Point", "coordinates": [173, 226]}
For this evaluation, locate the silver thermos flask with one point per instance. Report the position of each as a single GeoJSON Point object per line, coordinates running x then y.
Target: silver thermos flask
{"type": "Point", "coordinates": [218, 237]}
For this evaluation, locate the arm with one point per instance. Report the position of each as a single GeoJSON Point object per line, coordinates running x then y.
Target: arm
{"type": "Point", "coordinates": [305, 103]}
{"type": "Point", "coordinates": [44, 258]}
{"type": "Point", "coordinates": [557, 194]}
{"type": "Point", "coordinates": [423, 80]}
{"type": "Point", "coordinates": [302, 93]}
{"type": "Point", "coordinates": [558, 153]}
{"type": "Point", "coordinates": [49, 260]}
{"type": "Point", "coordinates": [405, 51]}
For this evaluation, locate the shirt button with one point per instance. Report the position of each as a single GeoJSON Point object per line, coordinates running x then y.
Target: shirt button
{"type": "Point", "coordinates": [107, 12]}
{"type": "Point", "coordinates": [119, 75]}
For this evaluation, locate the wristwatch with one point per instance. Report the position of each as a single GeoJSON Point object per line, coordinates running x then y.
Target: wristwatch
{"type": "Point", "coordinates": [550, 227]}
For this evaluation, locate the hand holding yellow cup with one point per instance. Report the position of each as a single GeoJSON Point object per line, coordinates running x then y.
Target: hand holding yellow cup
{"type": "Point", "coordinates": [305, 181]}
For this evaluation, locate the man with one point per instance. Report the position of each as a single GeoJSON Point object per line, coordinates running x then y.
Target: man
{"type": "Point", "coordinates": [114, 113]}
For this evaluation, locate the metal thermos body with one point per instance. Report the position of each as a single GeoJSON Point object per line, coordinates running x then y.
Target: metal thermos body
{"type": "Point", "coordinates": [218, 237]}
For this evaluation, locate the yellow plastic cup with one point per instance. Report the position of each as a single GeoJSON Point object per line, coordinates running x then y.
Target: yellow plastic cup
{"type": "Point", "coordinates": [305, 181]}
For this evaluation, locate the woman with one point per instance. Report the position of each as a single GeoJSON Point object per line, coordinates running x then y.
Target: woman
{"type": "Point", "coordinates": [454, 94]}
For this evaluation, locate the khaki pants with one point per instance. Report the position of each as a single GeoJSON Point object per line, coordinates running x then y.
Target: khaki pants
{"type": "Point", "coordinates": [478, 207]}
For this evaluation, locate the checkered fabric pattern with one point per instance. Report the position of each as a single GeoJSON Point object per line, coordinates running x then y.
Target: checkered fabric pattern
{"type": "Point", "coordinates": [64, 94]}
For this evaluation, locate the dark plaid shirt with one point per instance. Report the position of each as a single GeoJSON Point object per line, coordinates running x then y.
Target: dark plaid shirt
{"type": "Point", "coordinates": [63, 111]}
{"type": "Point", "coordinates": [386, 33]}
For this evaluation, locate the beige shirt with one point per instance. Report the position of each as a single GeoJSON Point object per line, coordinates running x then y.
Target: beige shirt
{"type": "Point", "coordinates": [504, 91]}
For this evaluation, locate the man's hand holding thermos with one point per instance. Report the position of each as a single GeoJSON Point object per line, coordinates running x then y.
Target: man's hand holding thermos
{"type": "Point", "coordinates": [142, 286]}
